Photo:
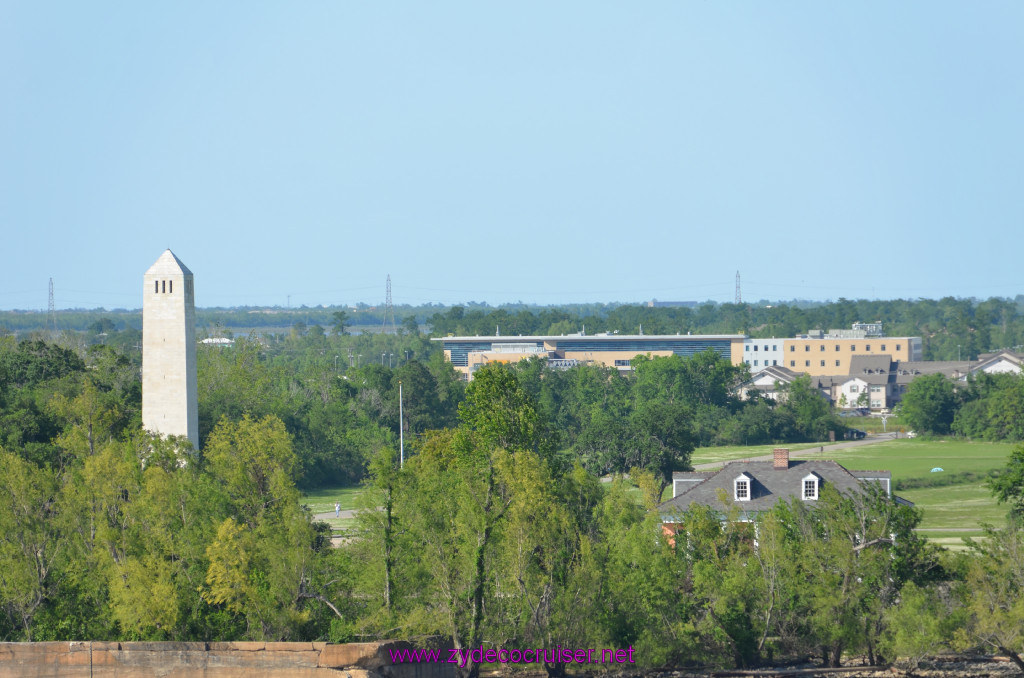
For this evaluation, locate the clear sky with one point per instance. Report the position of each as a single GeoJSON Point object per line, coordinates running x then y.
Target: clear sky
{"type": "Point", "coordinates": [501, 151]}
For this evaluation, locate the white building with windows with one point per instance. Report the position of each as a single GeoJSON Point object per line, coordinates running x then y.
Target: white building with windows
{"type": "Point", "coordinates": [761, 353]}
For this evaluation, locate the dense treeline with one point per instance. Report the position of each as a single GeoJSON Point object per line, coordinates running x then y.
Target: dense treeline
{"type": "Point", "coordinates": [947, 327]}
{"type": "Point", "coordinates": [338, 397]}
{"type": "Point", "coordinates": [667, 407]}
{"type": "Point", "coordinates": [986, 407]}
{"type": "Point", "coordinates": [488, 537]}
{"type": "Point", "coordinates": [950, 328]}
{"type": "Point", "coordinates": [493, 532]}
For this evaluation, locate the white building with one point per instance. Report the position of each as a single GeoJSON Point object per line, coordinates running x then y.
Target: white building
{"type": "Point", "coordinates": [169, 394]}
{"type": "Point", "coordinates": [761, 353]}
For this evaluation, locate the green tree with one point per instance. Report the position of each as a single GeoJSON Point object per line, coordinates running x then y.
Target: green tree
{"type": "Point", "coordinates": [30, 541]}
{"type": "Point", "coordinates": [265, 552]}
{"type": "Point", "coordinates": [1008, 486]}
{"type": "Point", "coordinates": [929, 404]}
{"type": "Point", "coordinates": [502, 413]}
{"type": "Point", "coordinates": [339, 320]}
{"type": "Point", "coordinates": [810, 411]}
{"type": "Point", "coordinates": [993, 595]}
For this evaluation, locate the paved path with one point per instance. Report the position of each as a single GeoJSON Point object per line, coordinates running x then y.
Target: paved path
{"type": "Point", "coordinates": [330, 515]}
{"type": "Point", "coordinates": [809, 452]}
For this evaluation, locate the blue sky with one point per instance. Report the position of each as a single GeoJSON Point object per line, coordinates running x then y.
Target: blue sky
{"type": "Point", "coordinates": [534, 151]}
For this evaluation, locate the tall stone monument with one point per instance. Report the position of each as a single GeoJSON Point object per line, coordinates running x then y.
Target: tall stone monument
{"type": "Point", "coordinates": [169, 396]}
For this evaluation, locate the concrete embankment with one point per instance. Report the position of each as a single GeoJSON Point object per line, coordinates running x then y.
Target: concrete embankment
{"type": "Point", "coordinates": [78, 659]}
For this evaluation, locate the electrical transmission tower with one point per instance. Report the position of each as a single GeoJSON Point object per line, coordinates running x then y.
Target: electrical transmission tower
{"type": "Point", "coordinates": [739, 297]}
{"type": "Point", "coordinates": [51, 311]}
{"type": "Point", "coordinates": [389, 310]}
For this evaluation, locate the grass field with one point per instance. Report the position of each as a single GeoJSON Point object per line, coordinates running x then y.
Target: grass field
{"type": "Point", "coordinates": [948, 513]}
{"type": "Point", "coordinates": [322, 500]}
{"type": "Point", "coordinates": [714, 455]}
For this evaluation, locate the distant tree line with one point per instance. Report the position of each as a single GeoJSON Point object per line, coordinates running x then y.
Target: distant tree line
{"type": "Point", "coordinates": [950, 328]}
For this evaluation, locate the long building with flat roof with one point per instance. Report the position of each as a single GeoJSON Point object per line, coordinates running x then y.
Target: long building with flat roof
{"type": "Point", "coordinates": [468, 354]}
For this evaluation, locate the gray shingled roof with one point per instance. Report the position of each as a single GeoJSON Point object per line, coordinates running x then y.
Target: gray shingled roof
{"type": "Point", "coordinates": [872, 369]}
{"type": "Point", "coordinates": [769, 485]}
{"type": "Point", "coordinates": [907, 371]}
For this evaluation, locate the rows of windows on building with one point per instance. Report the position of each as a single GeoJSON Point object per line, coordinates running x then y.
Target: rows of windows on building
{"type": "Point", "coordinates": [853, 347]}
{"type": "Point", "coordinates": [163, 286]}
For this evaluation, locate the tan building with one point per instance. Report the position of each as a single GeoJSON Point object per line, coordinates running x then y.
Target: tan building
{"type": "Point", "coordinates": [830, 356]}
{"type": "Point", "coordinates": [468, 354]}
{"type": "Point", "coordinates": [169, 394]}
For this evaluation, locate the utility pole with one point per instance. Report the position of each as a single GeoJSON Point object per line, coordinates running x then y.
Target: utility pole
{"type": "Point", "coordinates": [389, 309]}
{"type": "Point", "coordinates": [51, 310]}
{"type": "Point", "coordinates": [401, 429]}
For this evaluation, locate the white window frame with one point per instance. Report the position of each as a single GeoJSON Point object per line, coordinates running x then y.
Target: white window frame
{"type": "Point", "coordinates": [810, 477]}
{"type": "Point", "coordinates": [744, 481]}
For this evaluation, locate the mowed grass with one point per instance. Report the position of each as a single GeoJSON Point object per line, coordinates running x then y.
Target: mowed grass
{"type": "Point", "coordinates": [321, 500]}
{"type": "Point", "coordinates": [946, 511]}
{"type": "Point", "coordinates": [915, 458]}
{"type": "Point", "coordinates": [716, 455]}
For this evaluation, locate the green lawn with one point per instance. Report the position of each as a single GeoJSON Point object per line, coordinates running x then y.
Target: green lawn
{"type": "Point", "coordinates": [322, 500]}
{"type": "Point", "coordinates": [965, 505]}
{"type": "Point", "coordinates": [908, 458]}
{"type": "Point", "coordinates": [712, 455]}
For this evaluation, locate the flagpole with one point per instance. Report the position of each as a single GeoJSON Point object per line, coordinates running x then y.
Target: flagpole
{"type": "Point", "coordinates": [401, 429]}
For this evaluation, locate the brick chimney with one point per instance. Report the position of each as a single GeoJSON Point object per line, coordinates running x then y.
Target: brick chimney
{"type": "Point", "coordinates": [780, 458]}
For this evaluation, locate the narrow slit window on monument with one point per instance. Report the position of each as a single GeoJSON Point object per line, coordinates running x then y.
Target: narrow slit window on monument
{"type": "Point", "coordinates": [172, 287]}
{"type": "Point", "coordinates": [165, 286]}
{"type": "Point", "coordinates": [156, 286]}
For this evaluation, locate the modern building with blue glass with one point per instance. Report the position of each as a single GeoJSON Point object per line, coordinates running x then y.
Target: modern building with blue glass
{"type": "Point", "coordinates": [468, 354]}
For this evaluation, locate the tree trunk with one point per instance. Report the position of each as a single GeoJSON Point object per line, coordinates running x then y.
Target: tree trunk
{"type": "Point", "coordinates": [1014, 657]}
{"type": "Point", "coordinates": [835, 660]}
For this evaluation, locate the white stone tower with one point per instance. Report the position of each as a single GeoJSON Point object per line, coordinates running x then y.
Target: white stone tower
{"type": "Point", "coordinates": [169, 395]}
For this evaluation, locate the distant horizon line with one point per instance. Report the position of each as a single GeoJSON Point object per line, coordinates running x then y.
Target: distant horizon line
{"type": "Point", "coordinates": [366, 306]}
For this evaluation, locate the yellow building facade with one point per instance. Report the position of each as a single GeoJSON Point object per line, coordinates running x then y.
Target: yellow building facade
{"type": "Point", "coordinates": [825, 357]}
{"type": "Point", "coordinates": [468, 354]}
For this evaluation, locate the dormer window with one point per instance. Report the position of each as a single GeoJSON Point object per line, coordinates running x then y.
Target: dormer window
{"type": "Point", "coordinates": [741, 487]}
{"type": "Point", "coordinates": [810, 487]}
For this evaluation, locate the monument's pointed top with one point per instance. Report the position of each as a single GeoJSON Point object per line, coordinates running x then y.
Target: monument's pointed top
{"type": "Point", "coordinates": [166, 264]}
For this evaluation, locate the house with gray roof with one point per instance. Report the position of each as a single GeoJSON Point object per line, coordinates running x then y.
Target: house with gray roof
{"type": "Point", "coordinates": [770, 382]}
{"type": "Point", "coordinates": [756, 486]}
{"type": "Point", "coordinates": [1001, 362]}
